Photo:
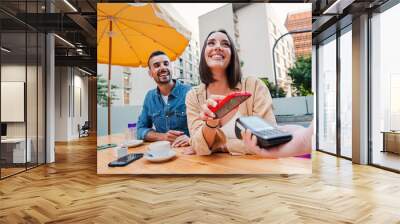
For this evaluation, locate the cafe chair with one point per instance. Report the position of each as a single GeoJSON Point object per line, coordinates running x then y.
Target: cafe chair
{"type": "Point", "coordinates": [84, 130]}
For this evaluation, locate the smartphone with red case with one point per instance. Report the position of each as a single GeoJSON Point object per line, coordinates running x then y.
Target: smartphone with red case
{"type": "Point", "coordinates": [230, 102]}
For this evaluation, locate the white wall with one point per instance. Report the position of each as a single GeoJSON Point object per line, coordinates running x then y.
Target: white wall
{"type": "Point", "coordinates": [62, 81]}
{"type": "Point", "coordinates": [14, 72]}
{"type": "Point", "coordinates": [79, 117]}
{"type": "Point", "coordinates": [33, 126]}
{"type": "Point", "coordinates": [68, 82]}
{"type": "Point", "coordinates": [254, 47]}
{"type": "Point", "coordinates": [220, 18]}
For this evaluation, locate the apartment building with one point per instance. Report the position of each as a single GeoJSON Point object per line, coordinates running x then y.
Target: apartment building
{"type": "Point", "coordinates": [302, 41]}
{"type": "Point", "coordinates": [254, 28]}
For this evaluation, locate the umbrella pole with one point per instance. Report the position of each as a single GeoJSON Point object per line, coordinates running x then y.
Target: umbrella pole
{"type": "Point", "coordinates": [109, 80]}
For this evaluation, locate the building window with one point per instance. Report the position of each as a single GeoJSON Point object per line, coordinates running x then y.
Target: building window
{"type": "Point", "coordinates": [385, 88]}
{"type": "Point", "coordinates": [327, 96]}
{"type": "Point", "coordinates": [126, 98]}
{"type": "Point", "coordinates": [19, 44]}
{"type": "Point", "coordinates": [346, 94]}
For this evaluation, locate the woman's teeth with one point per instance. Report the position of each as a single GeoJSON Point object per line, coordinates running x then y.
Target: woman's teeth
{"type": "Point", "coordinates": [218, 57]}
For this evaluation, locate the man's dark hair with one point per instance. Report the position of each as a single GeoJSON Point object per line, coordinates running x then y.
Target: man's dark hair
{"type": "Point", "coordinates": [233, 72]}
{"type": "Point", "coordinates": [155, 53]}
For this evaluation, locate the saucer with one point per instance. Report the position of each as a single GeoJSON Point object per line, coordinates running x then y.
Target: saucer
{"type": "Point", "coordinates": [134, 143]}
{"type": "Point", "coordinates": [153, 157]}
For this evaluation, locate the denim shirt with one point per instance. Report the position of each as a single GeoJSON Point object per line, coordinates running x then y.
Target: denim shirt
{"type": "Point", "coordinates": [164, 117]}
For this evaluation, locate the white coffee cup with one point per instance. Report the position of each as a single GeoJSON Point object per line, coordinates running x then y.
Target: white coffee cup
{"type": "Point", "coordinates": [160, 148]}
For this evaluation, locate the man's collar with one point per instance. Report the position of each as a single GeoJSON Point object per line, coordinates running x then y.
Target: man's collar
{"type": "Point", "coordinates": [175, 89]}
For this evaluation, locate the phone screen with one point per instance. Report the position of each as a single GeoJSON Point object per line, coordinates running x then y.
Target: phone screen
{"type": "Point", "coordinates": [230, 105]}
{"type": "Point", "coordinates": [124, 159]}
{"type": "Point", "coordinates": [257, 124]}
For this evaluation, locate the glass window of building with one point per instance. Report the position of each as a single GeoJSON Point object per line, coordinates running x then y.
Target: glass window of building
{"type": "Point", "coordinates": [327, 96]}
{"type": "Point", "coordinates": [22, 65]}
{"type": "Point", "coordinates": [346, 92]}
{"type": "Point", "coordinates": [385, 89]}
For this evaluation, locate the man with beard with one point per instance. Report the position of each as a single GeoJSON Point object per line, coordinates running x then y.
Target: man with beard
{"type": "Point", "coordinates": [164, 107]}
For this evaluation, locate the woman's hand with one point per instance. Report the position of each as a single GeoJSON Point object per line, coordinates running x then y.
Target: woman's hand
{"type": "Point", "coordinates": [181, 141]}
{"type": "Point", "coordinates": [299, 145]}
{"type": "Point", "coordinates": [206, 114]}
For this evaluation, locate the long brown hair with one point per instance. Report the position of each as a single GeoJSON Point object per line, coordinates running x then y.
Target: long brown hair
{"type": "Point", "coordinates": [234, 74]}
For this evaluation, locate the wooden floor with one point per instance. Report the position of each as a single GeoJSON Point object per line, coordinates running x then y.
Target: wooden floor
{"type": "Point", "coordinates": [387, 159]}
{"type": "Point", "coordinates": [10, 171]}
{"type": "Point", "coordinates": [70, 191]}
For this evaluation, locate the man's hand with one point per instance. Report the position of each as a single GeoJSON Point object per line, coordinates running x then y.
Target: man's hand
{"type": "Point", "coordinates": [172, 135]}
{"type": "Point", "coordinates": [181, 141]}
{"type": "Point", "coordinates": [299, 145]}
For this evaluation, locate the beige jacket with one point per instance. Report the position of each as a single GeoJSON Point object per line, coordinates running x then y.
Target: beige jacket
{"type": "Point", "coordinates": [260, 103]}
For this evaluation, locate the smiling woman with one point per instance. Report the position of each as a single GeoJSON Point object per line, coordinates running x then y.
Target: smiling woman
{"type": "Point", "coordinates": [219, 57]}
{"type": "Point", "coordinates": [221, 75]}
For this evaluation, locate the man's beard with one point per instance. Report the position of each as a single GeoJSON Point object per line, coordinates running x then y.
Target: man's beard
{"type": "Point", "coordinates": [163, 78]}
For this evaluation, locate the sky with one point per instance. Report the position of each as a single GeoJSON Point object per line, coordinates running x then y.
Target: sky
{"type": "Point", "coordinates": [191, 11]}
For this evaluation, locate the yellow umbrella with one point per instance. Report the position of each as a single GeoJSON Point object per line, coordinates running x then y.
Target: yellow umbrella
{"type": "Point", "coordinates": [127, 33]}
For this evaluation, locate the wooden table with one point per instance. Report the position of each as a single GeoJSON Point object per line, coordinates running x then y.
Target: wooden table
{"type": "Point", "coordinates": [218, 163]}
